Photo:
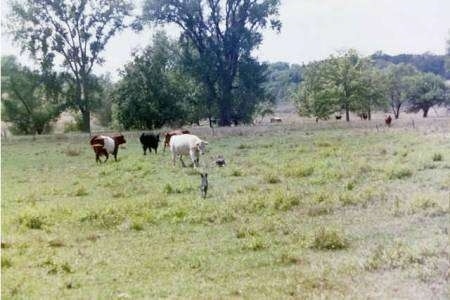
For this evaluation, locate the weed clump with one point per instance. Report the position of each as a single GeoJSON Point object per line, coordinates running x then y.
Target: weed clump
{"type": "Point", "coordinates": [80, 192]}
{"type": "Point", "coordinates": [397, 256]}
{"type": "Point", "coordinates": [271, 178]}
{"type": "Point", "coordinates": [400, 173]}
{"type": "Point", "coordinates": [300, 171]}
{"type": "Point", "coordinates": [236, 173]}
{"type": "Point", "coordinates": [6, 262]}
{"type": "Point", "coordinates": [437, 157]}
{"type": "Point", "coordinates": [329, 239]}
{"type": "Point", "coordinates": [33, 220]}
{"type": "Point", "coordinates": [72, 152]}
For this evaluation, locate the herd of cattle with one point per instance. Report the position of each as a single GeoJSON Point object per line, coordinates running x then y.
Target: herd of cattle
{"type": "Point", "coordinates": [180, 142]}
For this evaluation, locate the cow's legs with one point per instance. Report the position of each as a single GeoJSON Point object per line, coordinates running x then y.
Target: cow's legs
{"type": "Point", "coordinates": [107, 156]}
{"type": "Point", "coordinates": [145, 149]}
{"type": "Point", "coordinates": [182, 162]}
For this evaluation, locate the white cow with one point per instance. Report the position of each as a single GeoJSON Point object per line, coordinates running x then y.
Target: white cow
{"type": "Point", "coordinates": [187, 144]}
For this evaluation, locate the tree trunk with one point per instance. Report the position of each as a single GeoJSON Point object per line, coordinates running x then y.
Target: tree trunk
{"type": "Point", "coordinates": [397, 111]}
{"type": "Point", "coordinates": [347, 113]}
{"type": "Point", "coordinates": [425, 111]}
{"type": "Point", "coordinates": [86, 118]}
{"type": "Point", "coordinates": [225, 105]}
{"type": "Point", "coordinates": [86, 113]}
{"type": "Point", "coordinates": [369, 113]}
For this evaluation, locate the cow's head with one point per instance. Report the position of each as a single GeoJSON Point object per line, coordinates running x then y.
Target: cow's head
{"type": "Point", "coordinates": [201, 146]}
{"type": "Point", "coordinates": [120, 139]}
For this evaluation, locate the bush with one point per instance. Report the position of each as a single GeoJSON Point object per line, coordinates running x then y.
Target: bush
{"type": "Point", "coordinates": [329, 239]}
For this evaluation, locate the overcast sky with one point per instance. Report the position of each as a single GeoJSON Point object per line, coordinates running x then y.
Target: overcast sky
{"type": "Point", "coordinates": [314, 29]}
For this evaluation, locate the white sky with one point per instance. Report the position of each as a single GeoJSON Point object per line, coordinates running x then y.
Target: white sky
{"type": "Point", "coordinates": [314, 29]}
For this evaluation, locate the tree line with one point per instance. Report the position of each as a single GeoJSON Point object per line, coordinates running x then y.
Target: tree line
{"type": "Point", "coordinates": [350, 83]}
{"type": "Point", "coordinates": [207, 73]}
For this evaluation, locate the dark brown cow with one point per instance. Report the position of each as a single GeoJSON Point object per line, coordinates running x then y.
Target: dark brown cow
{"type": "Point", "coordinates": [388, 121]}
{"type": "Point", "coordinates": [104, 145]}
{"type": "Point", "coordinates": [169, 134]}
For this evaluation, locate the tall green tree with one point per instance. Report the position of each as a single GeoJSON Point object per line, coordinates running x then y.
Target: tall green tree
{"type": "Point", "coordinates": [153, 91]}
{"type": "Point", "coordinates": [75, 31]}
{"type": "Point", "coordinates": [338, 83]}
{"type": "Point", "coordinates": [223, 34]}
{"type": "Point", "coordinates": [373, 91]}
{"type": "Point", "coordinates": [397, 85]}
{"type": "Point", "coordinates": [30, 100]}
{"type": "Point", "coordinates": [315, 96]}
{"type": "Point", "coordinates": [425, 91]}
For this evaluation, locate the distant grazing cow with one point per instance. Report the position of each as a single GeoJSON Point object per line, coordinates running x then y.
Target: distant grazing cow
{"type": "Point", "coordinates": [187, 144]}
{"type": "Point", "coordinates": [149, 141]}
{"type": "Point", "coordinates": [338, 117]}
{"type": "Point", "coordinates": [388, 120]}
{"type": "Point", "coordinates": [363, 116]}
{"type": "Point", "coordinates": [105, 145]}
{"type": "Point", "coordinates": [172, 133]}
{"type": "Point", "coordinates": [276, 120]}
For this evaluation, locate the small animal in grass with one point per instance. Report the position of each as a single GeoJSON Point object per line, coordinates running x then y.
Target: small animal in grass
{"type": "Point", "coordinates": [149, 141]}
{"type": "Point", "coordinates": [388, 120]}
{"type": "Point", "coordinates": [104, 145]}
{"type": "Point", "coordinates": [220, 161]}
{"type": "Point", "coordinates": [204, 184]}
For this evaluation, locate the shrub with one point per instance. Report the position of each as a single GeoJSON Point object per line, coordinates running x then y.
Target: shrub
{"type": "Point", "coordinates": [329, 239]}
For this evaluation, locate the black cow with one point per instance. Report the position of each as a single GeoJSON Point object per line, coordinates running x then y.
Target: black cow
{"type": "Point", "coordinates": [149, 141]}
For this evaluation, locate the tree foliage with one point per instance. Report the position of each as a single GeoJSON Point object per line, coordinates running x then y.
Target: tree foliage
{"type": "Point", "coordinates": [425, 90]}
{"type": "Point", "coordinates": [427, 62]}
{"type": "Point", "coordinates": [30, 100]}
{"type": "Point", "coordinates": [219, 37]}
{"type": "Point", "coordinates": [343, 82]}
{"type": "Point", "coordinates": [282, 80]}
{"type": "Point", "coordinates": [74, 31]}
{"type": "Point", "coordinates": [154, 92]}
{"type": "Point", "coordinates": [397, 88]}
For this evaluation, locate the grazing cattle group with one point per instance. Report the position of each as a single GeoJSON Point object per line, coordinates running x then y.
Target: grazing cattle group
{"type": "Point", "coordinates": [180, 143]}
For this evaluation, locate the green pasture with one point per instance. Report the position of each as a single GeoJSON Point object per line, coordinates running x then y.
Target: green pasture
{"type": "Point", "coordinates": [328, 213]}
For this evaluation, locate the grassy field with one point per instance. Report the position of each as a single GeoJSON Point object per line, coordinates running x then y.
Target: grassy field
{"type": "Point", "coordinates": [301, 212]}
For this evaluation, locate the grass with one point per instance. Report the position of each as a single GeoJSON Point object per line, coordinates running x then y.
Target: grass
{"type": "Point", "coordinates": [291, 215]}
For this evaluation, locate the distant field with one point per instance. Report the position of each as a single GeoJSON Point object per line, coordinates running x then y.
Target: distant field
{"type": "Point", "coordinates": [328, 210]}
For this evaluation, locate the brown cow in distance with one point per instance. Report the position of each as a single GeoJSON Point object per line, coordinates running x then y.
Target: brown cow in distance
{"type": "Point", "coordinates": [105, 145]}
{"type": "Point", "coordinates": [169, 134]}
{"type": "Point", "coordinates": [388, 121]}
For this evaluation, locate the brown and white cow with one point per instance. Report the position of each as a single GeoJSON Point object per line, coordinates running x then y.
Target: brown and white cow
{"type": "Point", "coordinates": [105, 145]}
{"type": "Point", "coordinates": [169, 134]}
